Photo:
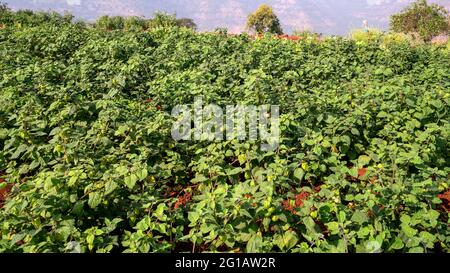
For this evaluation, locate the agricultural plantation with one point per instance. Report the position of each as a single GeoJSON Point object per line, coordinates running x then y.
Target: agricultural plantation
{"type": "Point", "coordinates": [88, 163]}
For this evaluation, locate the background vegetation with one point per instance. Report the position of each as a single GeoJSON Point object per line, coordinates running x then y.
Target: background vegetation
{"type": "Point", "coordinates": [423, 19]}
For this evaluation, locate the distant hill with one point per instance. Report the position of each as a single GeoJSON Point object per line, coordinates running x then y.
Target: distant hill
{"type": "Point", "coordinates": [325, 16]}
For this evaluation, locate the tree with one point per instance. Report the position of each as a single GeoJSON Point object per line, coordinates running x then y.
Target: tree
{"type": "Point", "coordinates": [422, 18]}
{"type": "Point", "coordinates": [3, 7]}
{"type": "Point", "coordinates": [221, 31]}
{"type": "Point", "coordinates": [103, 22]}
{"type": "Point", "coordinates": [186, 22]}
{"type": "Point", "coordinates": [264, 20]}
{"type": "Point", "coordinates": [110, 23]}
{"type": "Point", "coordinates": [5, 14]}
{"type": "Point", "coordinates": [117, 22]}
{"type": "Point", "coordinates": [161, 19]}
{"type": "Point", "coordinates": [135, 23]}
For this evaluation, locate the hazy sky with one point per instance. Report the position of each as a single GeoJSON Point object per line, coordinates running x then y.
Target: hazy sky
{"type": "Point", "coordinates": [325, 16]}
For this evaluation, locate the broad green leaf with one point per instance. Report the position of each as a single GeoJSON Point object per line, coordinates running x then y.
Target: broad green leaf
{"type": "Point", "coordinates": [95, 198]}
{"type": "Point", "coordinates": [130, 181]}
{"type": "Point", "coordinates": [397, 244]}
{"type": "Point", "coordinates": [290, 239]}
{"type": "Point", "coordinates": [255, 244]}
{"type": "Point", "coordinates": [299, 173]}
{"type": "Point", "coordinates": [142, 174]}
{"type": "Point", "coordinates": [110, 186]}
{"type": "Point", "coordinates": [359, 217]}
{"type": "Point", "coordinates": [364, 160]}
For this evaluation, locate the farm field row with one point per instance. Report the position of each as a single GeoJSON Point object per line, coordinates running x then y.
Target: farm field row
{"type": "Point", "coordinates": [88, 163]}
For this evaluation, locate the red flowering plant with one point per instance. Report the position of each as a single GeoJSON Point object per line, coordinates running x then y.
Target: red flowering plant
{"type": "Point", "coordinates": [292, 204]}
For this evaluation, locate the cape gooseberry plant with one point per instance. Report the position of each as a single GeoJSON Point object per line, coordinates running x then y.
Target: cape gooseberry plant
{"type": "Point", "coordinates": [88, 164]}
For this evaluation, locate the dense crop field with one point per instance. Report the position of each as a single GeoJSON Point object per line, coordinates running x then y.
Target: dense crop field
{"type": "Point", "coordinates": [88, 163]}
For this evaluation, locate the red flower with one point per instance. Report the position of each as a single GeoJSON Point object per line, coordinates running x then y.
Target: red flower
{"type": "Point", "coordinates": [183, 200]}
{"type": "Point", "coordinates": [290, 38]}
{"type": "Point", "coordinates": [299, 202]}
{"type": "Point", "coordinates": [362, 172]}
{"type": "Point", "coordinates": [445, 196]}
{"type": "Point", "coordinates": [4, 192]}
{"type": "Point", "coordinates": [299, 198]}
{"type": "Point", "coordinates": [287, 206]}
{"type": "Point", "coordinates": [294, 38]}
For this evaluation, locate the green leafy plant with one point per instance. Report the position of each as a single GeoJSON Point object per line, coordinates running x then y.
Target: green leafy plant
{"type": "Point", "coordinates": [88, 164]}
{"type": "Point", "coordinates": [427, 20]}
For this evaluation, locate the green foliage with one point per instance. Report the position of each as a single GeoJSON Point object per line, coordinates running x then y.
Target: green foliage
{"type": "Point", "coordinates": [221, 31]}
{"type": "Point", "coordinates": [163, 20]}
{"type": "Point", "coordinates": [3, 8]}
{"type": "Point", "coordinates": [364, 147]}
{"type": "Point", "coordinates": [307, 34]}
{"type": "Point", "coordinates": [396, 38]}
{"type": "Point", "coordinates": [374, 36]}
{"type": "Point", "coordinates": [135, 23]}
{"type": "Point", "coordinates": [187, 23]}
{"type": "Point", "coordinates": [364, 36]}
{"type": "Point", "coordinates": [29, 18]}
{"type": "Point", "coordinates": [422, 18]}
{"type": "Point", "coordinates": [264, 20]}
{"type": "Point", "coordinates": [113, 23]}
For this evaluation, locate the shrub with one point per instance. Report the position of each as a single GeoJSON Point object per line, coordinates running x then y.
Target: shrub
{"type": "Point", "coordinates": [135, 23]}
{"type": "Point", "coordinates": [162, 20]}
{"type": "Point", "coordinates": [395, 38]}
{"type": "Point", "coordinates": [420, 17]}
{"type": "Point", "coordinates": [366, 36]}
